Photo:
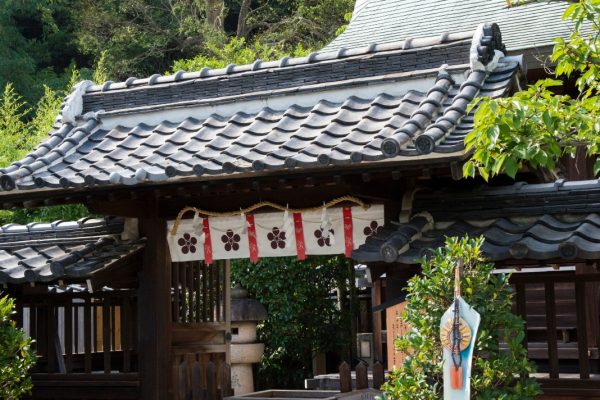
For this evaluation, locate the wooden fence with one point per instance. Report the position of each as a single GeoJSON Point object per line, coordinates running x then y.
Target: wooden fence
{"type": "Point", "coordinates": [362, 377]}
{"type": "Point", "coordinates": [197, 380]}
{"type": "Point", "coordinates": [82, 332]}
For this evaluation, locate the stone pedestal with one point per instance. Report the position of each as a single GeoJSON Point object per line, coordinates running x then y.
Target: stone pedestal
{"type": "Point", "coordinates": [245, 351]}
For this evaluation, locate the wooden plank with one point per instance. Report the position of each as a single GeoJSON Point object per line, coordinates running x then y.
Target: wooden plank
{"type": "Point", "coordinates": [106, 336]}
{"type": "Point", "coordinates": [211, 381]}
{"type": "Point", "coordinates": [50, 339]}
{"type": "Point", "coordinates": [190, 279]}
{"type": "Point", "coordinates": [182, 382]}
{"type": "Point", "coordinates": [345, 378]}
{"type": "Point", "coordinates": [196, 379]}
{"type": "Point", "coordinates": [176, 300]}
{"type": "Point", "coordinates": [584, 363]}
{"type": "Point", "coordinates": [87, 335]}
{"type": "Point", "coordinates": [551, 330]}
{"type": "Point", "coordinates": [205, 297]}
{"type": "Point", "coordinates": [197, 274]}
{"type": "Point", "coordinates": [225, 384]}
{"type": "Point", "coordinates": [362, 380]}
{"type": "Point", "coordinates": [126, 334]}
{"type": "Point", "coordinates": [227, 308]}
{"type": "Point", "coordinates": [378, 375]}
{"type": "Point", "coordinates": [522, 307]}
{"type": "Point", "coordinates": [184, 292]}
{"type": "Point", "coordinates": [68, 337]}
{"type": "Point", "coordinates": [377, 320]}
{"type": "Point", "coordinates": [556, 277]}
{"type": "Point", "coordinates": [216, 282]}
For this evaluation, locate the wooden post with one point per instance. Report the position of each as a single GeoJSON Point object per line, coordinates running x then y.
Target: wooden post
{"type": "Point", "coordinates": [154, 311]}
{"type": "Point", "coordinates": [551, 329]}
{"type": "Point", "coordinates": [227, 306]}
{"type": "Point", "coordinates": [377, 323]}
{"type": "Point", "coordinates": [362, 378]}
{"type": "Point", "coordinates": [345, 378]}
{"type": "Point", "coordinates": [378, 375]}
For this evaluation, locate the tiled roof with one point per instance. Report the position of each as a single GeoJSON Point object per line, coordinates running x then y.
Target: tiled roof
{"type": "Point", "coordinates": [395, 101]}
{"type": "Point", "coordinates": [529, 26]}
{"type": "Point", "coordinates": [45, 252]}
{"type": "Point", "coordinates": [538, 222]}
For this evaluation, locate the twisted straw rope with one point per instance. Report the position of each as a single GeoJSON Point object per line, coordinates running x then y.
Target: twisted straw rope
{"type": "Point", "coordinates": [262, 204]}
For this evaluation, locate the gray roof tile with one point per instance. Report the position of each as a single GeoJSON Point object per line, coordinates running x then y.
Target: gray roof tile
{"type": "Point", "coordinates": [61, 250]}
{"type": "Point", "coordinates": [562, 222]}
{"type": "Point", "coordinates": [350, 130]}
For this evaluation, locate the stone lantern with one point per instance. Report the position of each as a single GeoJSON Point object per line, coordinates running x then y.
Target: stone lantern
{"type": "Point", "coordinates": [245, 351]}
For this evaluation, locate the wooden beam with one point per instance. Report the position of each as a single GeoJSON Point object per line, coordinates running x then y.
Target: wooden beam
{"type": "Point", "coordinates": [154, 310]}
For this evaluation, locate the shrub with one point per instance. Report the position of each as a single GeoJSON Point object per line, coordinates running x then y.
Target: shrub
{"type": "Point", "coordinates": [496, 374]}
{"type": "Point", "coordinates": [16, 356]}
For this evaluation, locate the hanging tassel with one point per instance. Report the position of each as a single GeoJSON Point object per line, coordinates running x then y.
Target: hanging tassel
{"type": "Point", "coordinates": [456, 377]}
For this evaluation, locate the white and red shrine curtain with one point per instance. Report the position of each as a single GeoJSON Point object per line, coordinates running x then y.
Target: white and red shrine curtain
{"type": "Point", "coordinates": [335, 230]}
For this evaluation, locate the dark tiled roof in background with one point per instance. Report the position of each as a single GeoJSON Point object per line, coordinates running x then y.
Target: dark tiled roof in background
{"type": "Point", "coordinates": [44, 252]}
{"type": "Point", "coordinates": [383, 21]}
{"type": "Point", "coordinates": [327, 133]}
{"type": "Point", "coordinates": [546, 221]}
{"type": "Point", "coordinates": [252, 82]}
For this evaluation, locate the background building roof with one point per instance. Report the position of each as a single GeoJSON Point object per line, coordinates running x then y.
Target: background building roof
{"type": "Point", "coordinates": [529, 26]}
{"type": "Point", "coordinates": [47, 252]}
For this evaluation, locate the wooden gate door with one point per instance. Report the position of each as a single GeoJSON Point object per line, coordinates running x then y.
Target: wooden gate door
{"type": "Point", "coordinates": [201, 331]}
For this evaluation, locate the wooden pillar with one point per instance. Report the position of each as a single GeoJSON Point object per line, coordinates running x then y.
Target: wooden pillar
{"type": "Point", "coordinates": [377, 322]}
{"type": "Point", "coordinates": [154, 311]}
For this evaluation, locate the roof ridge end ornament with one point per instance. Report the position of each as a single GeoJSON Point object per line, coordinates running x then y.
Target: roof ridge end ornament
{"type": "Point", "coordinates": [73, 105]}
{"type": "Point", "coordinates": [486, 48]}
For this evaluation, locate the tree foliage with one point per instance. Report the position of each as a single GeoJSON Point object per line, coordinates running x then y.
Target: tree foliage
{"type": "Point", "coordinates": [236, 51]}
{"type": "Point", "coordinates": [16, 356]}
{"type": "Point", "coordinates": [37, 46]}
{"type": "Point", "coordinates": [496, 374]}
{"type": "Point", "coordinates": [537, 127]}
{"type": "Point", "coordinates": [22, 127]}
{"type": "Point", "coordinates": [303, 317]}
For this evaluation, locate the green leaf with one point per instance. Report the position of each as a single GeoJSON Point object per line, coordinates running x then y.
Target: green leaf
{"type": "Point", "coordinates": [511, 167]}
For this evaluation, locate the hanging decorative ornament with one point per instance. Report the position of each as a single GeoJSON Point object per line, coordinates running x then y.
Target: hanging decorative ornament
{"type": "Point", "coordinates": [244, 222]}
{"type": "Point", "coordinates": [288, 223]}
{"type": "Point", "coordinates": [326, 226]}
{"type": "Point", "coordinates": [198, 226]}
{"type": "Point", "coordinates": [458, 329]}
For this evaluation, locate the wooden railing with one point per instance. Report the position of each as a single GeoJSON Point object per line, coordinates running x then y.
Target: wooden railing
{"type": "Point", "coordinates": [82, 332]}
{"type": "Point", "coordinates": [561, 315]}
{"type": "Point", "coordinates": [198, 292]}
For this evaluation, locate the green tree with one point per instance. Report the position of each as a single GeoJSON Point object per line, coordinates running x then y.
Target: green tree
{"type": "Point", "coordinates": [16, 355]}
{"type": "Point", "coordinates": [23, 127]}
{"type": "Point", "coordinates": [537, 127]}
{"type": "Point", "coordinates": [496, 374]}
{"type": "Point", "coordinates": [36, 45]}
{"type": "Point", "coordinates": [303, 315]}
{"type": "Point", "coordinates": [236, 51]}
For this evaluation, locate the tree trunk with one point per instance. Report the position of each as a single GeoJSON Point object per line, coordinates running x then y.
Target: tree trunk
{"type": "Point", "coordinates": [214, 13]}
{"type": "Point", "coordinates": [241, 26]}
